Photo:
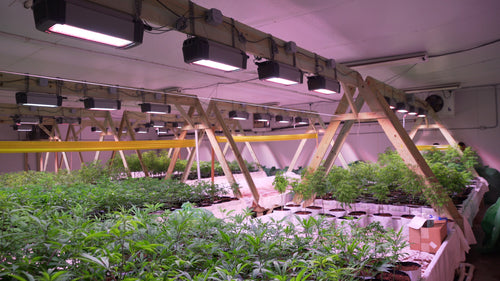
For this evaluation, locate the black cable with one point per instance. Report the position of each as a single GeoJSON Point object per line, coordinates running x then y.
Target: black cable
{"type": "Point", "coordinates": [395, 77]}
{"type": "Point", "coordinates": [466, 50]}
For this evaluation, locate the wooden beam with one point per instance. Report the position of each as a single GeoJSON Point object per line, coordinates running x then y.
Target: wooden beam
{"type": "Point", "coordinates": [125, 121]}
{"type": "Point", "coordinates": [215, 145]}
{"type": "Point", "coordinates": [406, 148]}
{"type": "Point", "coordinates": [177, 150]}
{"type": "Point", "coordinates": [415, 128]}
{"type": "Point", "coordinates": [250, 149]}
{"type": "Point", "coordinates": [296, 155]}
{"type": "Point", "coordinates": [190, 158]}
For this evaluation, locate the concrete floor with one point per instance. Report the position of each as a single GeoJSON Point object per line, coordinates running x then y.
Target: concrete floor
{"type": "Point", "coordinates": [487, 265]}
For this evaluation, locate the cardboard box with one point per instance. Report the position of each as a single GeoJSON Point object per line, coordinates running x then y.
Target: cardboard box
{"type": "Point", "coordinates": [426, 239]}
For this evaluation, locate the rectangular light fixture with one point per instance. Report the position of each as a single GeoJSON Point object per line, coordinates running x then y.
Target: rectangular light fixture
{"type": "Point", "coordinates": [23, 128]}
{"type": "Point", "coordinates": [161, 131]}
{"type": "Point", "coordinates": [156, 108]}
{"type": "Point", "coordinates": [178, 125]}
{"type": "Point", "coordinates": [421, 112]}
{"type": "Point", "coordinates": [141, 130]}
{"type": "Point", "coordinates": [68, 120]}
{"type": "Point", "coordinates": [95, 129]}
{"type": "Point", "coordinates": [279, 73]}
{"type": "Point", "coordinates": [301, 120]}
{"type": "Point", "coordinates": [434, 88]}
{"type": "Point", "coordinates": [283, 119]}
{"type": "Point", "coordinates": [157, 124]}
{"type": "Point", "coordinates": [412, 110]}
{"type": "Point", "coordinates": [401, 107]}
{"type": "Point", "coordinates": [38, 99]}
{"type": "Point", "coordinates": [323, 85]}
{"type": "Point", "coordinates": [263, 117]}
{"type": "Point", "coordinates": [207, 53]}
{"type": "Point", "coordinates": [89, 21]}
{"type": "Point", "coordinates": [101, 104]}
{"type": "Point", "coordinates": [390, 102]}
{"type": "Point", "coordinates": [27, 120]}
{"type": "Point", "coordinates": [389, 61]}
{"type": "Point", "coordinates": [238, 115]}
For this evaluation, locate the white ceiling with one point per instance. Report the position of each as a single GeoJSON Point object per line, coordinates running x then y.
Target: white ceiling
{"type": "Point", "coordinates": [344, 30]}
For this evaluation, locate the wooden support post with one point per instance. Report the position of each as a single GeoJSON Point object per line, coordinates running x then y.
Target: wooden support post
{"type": "Point", "coordinates": [126, 122]}
{"type": "Point", "coordinates": [296, 155]}
{"type": "Point", "coordinates": [112, 127]}
{"type": "Point", "coordinates": [414, 130]}
{"type": "Point", "coordinates": [215, 145]}
{"type": "Point", "coordinates": [75, 138]}
{"type": "Point", "coordinates": [190, 159]}
{"type": "Point", "coordinates": [406, 148]}
{"type": "Point", "coordinates": [250, 149]}
{"type": "Point", "coordinates": [177, 150]}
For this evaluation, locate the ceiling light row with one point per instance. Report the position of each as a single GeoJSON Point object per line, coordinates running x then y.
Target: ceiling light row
{"type": "Point", "coordinates": [266, 117]}
{"type": "Point", "coordinates": [403, 107]}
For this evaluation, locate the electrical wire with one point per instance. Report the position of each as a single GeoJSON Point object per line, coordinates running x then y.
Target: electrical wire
{"type": "Point", "coordinates": [167, 8]}
{"type": "Point", "coordinates": [466, 50]}
{"type": "Point", "coordinates": [397, 76]}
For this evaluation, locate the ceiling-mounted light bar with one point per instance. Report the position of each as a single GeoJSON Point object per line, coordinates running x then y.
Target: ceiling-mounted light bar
{"type": "Point", "coordinates": [89, 21]}
{"type": "Point", "coordinates": [434, 88]}
{"type": "Point", "coordinates": [207, 53]}
{"type": "Point", "coordinates": [101, 104]}
{"type": "Point", "coordinates": [38, 99]}
{"type": "Point", "coordinates": [23, 128]}
{"type": "Point", "coordinates": [156, 108]}
{"type": "Point", "coordinates": [323, 85]}
{"type": "Point", "coordinates": [238, 115]}
{"type": "Point", "coordinates": [283, 119]}
{"type": "Point", "coordinates": [68, 120]}
{"type": "Point", "coordinates": [263, 117]}
{"type": "Point", "coordinates": [389, 61]}
{"type": "Point", "coordinates": [276, 72]}
{"type": "Point", "coordinates": [161, 131]}
{"type": "Point", "coordinates": [412, 110]}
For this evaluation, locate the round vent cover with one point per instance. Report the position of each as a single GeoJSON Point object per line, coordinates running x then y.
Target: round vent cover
{"type": "Point", "coordinates": [436, 102]}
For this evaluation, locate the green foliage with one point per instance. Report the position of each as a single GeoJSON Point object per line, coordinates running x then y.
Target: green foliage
{"type": "Point", "coordinates": [342, 185]}
{"type": "Point", "coordinates": [280, 182]}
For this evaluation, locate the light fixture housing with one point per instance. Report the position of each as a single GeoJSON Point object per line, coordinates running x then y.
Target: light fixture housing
{"type": "Point", "coordinates": [238, 115]}
{"type": "Point", "coordinates": [68, 120]}
{"type": "Point", "coordinates": [263, 117]}
{"type": "Point", "coordinates": [23, 128]}
{"type": "Point", "coordinates": [283, 119]}
{"type": "Point", "coordinates": [141, 130]}
{"type": "Point", "coordinates": [280, 73]}
{"type": "Point", "coordinates": [412, 110]}
{"type": "Point", "coordinates": [38, 99]}
{"type": "Point", "coordinates": [157, 124]}
{"type": "Point", "coordinates": [390, 102]}
{"type": "Point", "coordinates": [161, 131]}
{"type": "Point", "coordinates": [421, 112]}
{"type": "Point", "coordinates": [96, 129]}
{"type": "Point", "coordinates": [323, 85]}
{"type": "Point", "coordinates": [178, 125]}
{"type": "Point", "coordinates": [155, 108]}
{"type": "Point", "coordinates": [200, 51]}
{"type": "Point", "coordinates": [89, 21]}
{"type": "Point", "coordinates": [401, 107]}
{"type": "Point", "coordinates": [27, 120]}
{"type": "Point", "coordinates": [301, 120]}
{"type": "Point", "coordinates": [101, 104]}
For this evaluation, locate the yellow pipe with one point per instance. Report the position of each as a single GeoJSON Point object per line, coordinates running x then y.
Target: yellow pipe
{"type": "Point", "coordinates": [269, 138]}
{"type": "Point", "coordinates": [429, 147]}
{"type": "Point", "coordinates": [80, 146]}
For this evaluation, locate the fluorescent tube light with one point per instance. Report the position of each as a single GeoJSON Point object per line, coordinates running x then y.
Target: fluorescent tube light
{"type": "Point", "coordinates": [38, 99]}
{"type": "Point", "coordinates": [23, 128]}
{"type": "Point", "coordinates": [156, 108]}
{"type": "Point", "coordinates": [207, 53]}
{"type": "Point", "coordinates": [261, 117]}
{"type": "Point", "coordinates": [101, 104]}
{"type": "Point", "coordinates": [89, 21]}
{"type": "Point", "coordinates": [283, 119]}
{"type": "Point", "coordinates": [238, 115]}
{"type": "Point", "coordinates": [279, 73]}
{"type": "Point", "coordinates": [434, 88]}
{"type": "Point", "coordinates": [389, 61]}
{"type": "Point", "coordinates": [323, 85]}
